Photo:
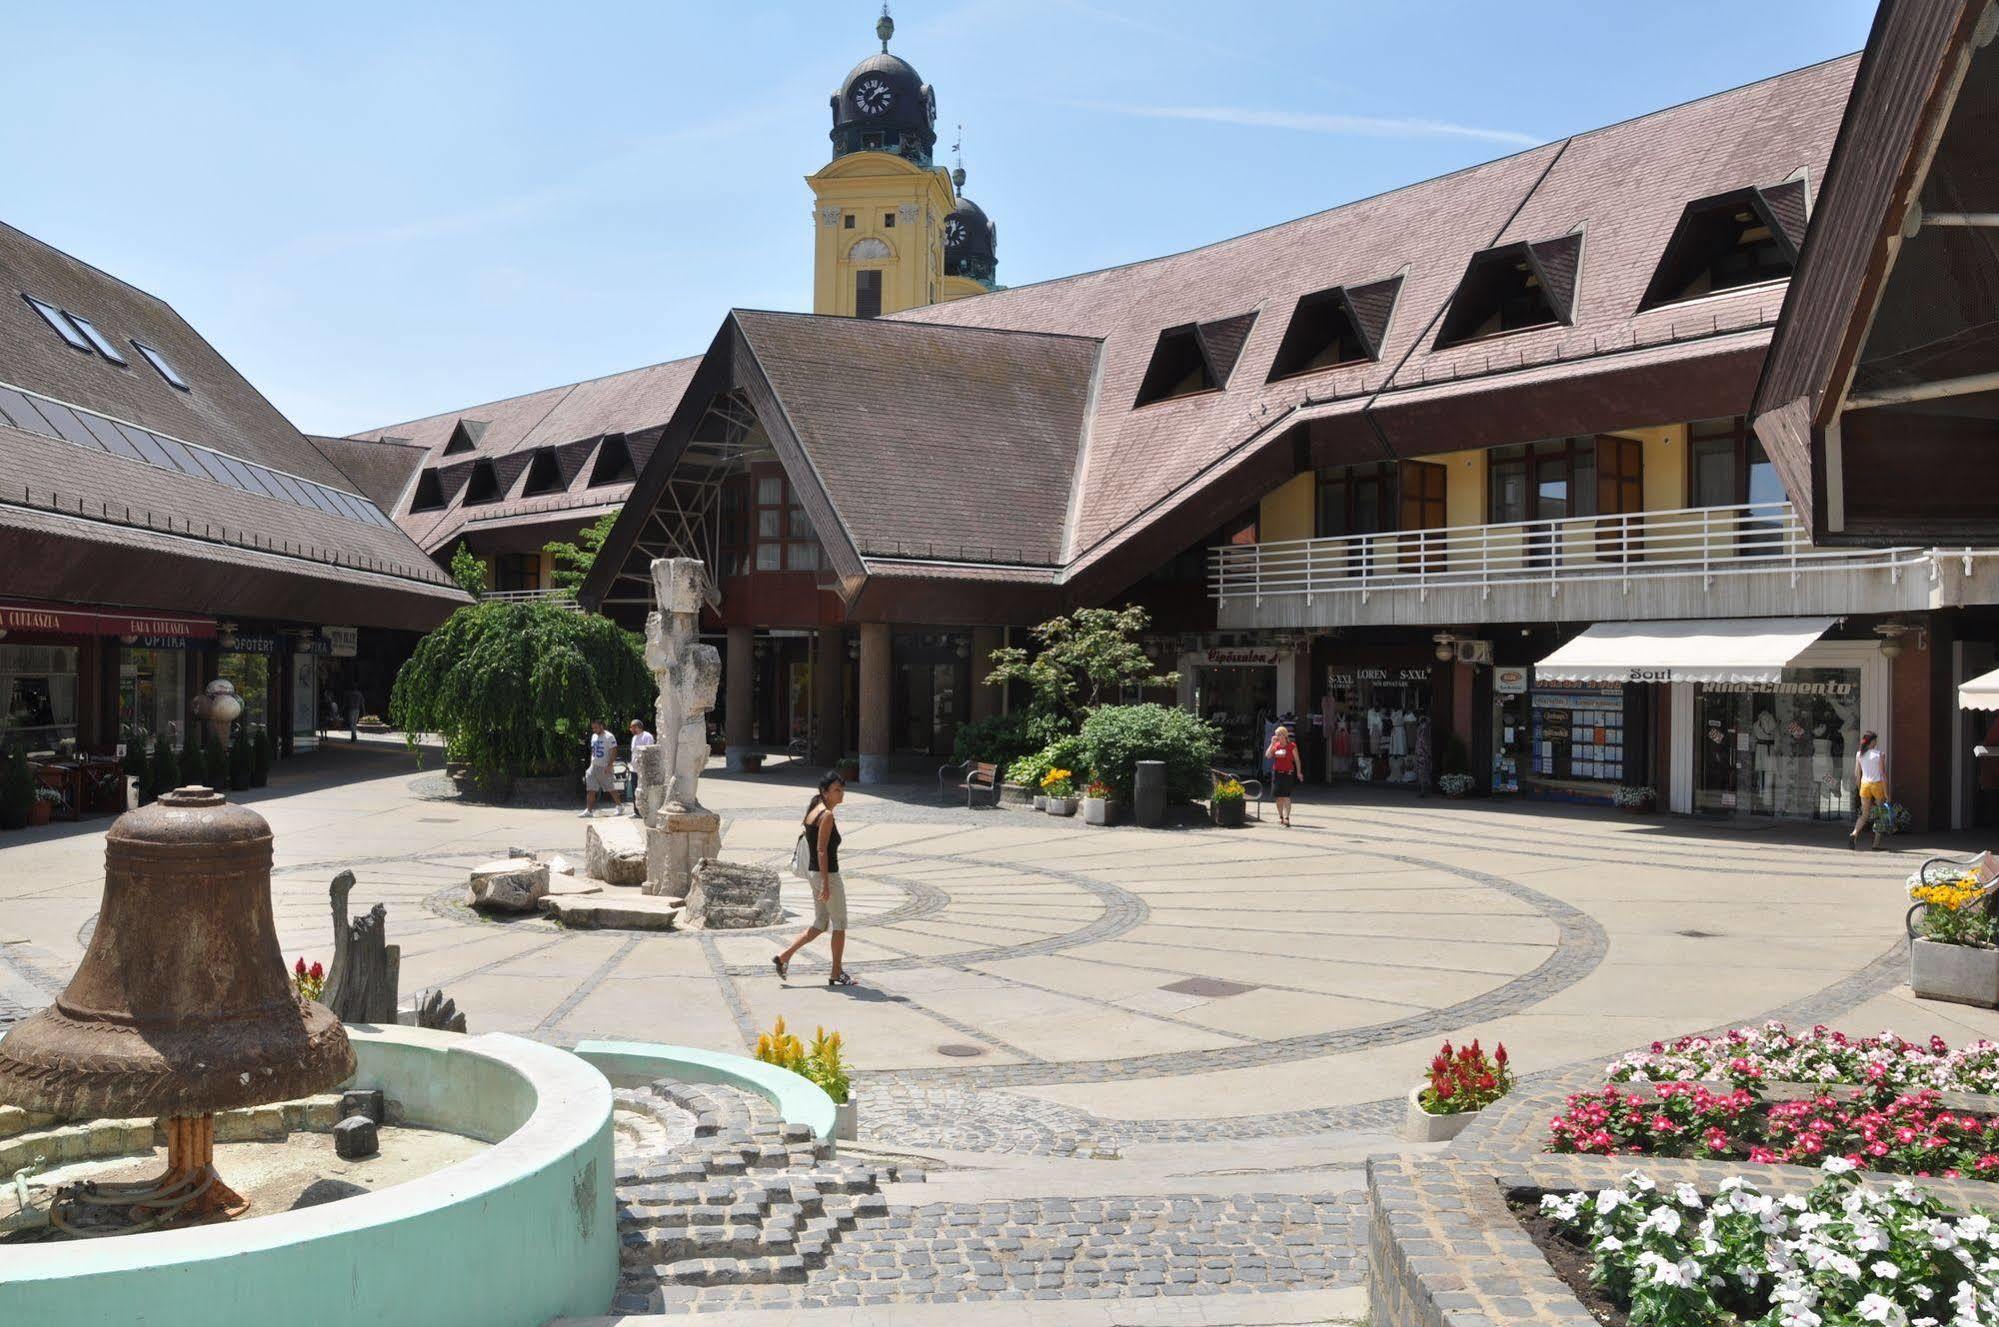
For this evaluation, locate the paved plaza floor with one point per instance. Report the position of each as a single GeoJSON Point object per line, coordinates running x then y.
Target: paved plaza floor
{"type": "Point", "coordinates": [1215, 1024]}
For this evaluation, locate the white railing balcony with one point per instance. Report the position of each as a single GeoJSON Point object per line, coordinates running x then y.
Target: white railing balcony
{"type": "Point", "coordinates": [1680, 555]}
{"type": "Point", "coordinates": [562, 598]}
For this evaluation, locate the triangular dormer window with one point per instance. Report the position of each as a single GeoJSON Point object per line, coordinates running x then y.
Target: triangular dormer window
{"type": "Point", "coordinates": [1740, 238]}
{"type": "Point", "coordinates": [465, 435]}
{"type": "Point", "coordinates": [544, 475]}
{"type": "Point", "coordinates": [1512, 288]}
{"type": "Point", "coordinates": [1194, 358]}
{"type": "Point", "coordinates": [1343, 325]}
{"type": "Point", "coordinates": [429, 495]}
{"type": "Point", "coordinates": [483, 485]}
{"type": "Point", "coordinates": [614, 462]}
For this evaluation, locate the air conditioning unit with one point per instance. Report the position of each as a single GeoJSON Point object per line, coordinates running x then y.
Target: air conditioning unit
{"type": "Point", "coordinates": [1475, 651]}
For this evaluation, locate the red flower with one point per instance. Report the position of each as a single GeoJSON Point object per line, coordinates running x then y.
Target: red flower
{"type": "Point", "coordinates": [318, 973]}
{"type": "Point", "coordinates": [300, 969]}
{"type": "Point", "coordinates": [1499, 1056]}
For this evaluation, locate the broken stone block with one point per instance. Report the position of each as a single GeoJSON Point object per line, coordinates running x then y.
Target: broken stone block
{"type": "Point", "coordinates": [515, 885]}
{"type": "Point", "coordinates": [365, 1101]}
{"type": "Point", "coordinates": [615, 852]}
{"type": "Point", "coordinates": [732, 896]}
{"type": "Point", "coordinates": [356, 1137]}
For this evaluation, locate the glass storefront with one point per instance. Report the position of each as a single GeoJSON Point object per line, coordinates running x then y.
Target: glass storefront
{"type": "Point", "coordinates": [1509, 728]}
{"type": "Point", "coordinates": [1237, 700]}
{"type": "Point", "coordinates": [38, 686]}
{"type": "Point", "coordinates": [1782, 750]}
{"type": "Point", "coordinates": [151, 695]}
{"type": "Point", "coordinates": [250, 674]}
{"type": "Point", "coordinates": [1372, 717]}
{"type": "Point", "coordinates": [932, 675]}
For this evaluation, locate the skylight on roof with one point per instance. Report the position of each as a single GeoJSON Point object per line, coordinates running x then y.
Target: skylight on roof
{"type": "Point", "coordinates": [98, 339]}
{"type": "Point", "coordinates": [166, 370]}
{"type": "Point", "coordinates": [60, 321]}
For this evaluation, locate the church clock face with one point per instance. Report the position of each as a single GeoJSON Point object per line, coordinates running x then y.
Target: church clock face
{"type": "Point", "coordinates": [872, 96]}
{"type": "Point", "coordinates": [954, 231]}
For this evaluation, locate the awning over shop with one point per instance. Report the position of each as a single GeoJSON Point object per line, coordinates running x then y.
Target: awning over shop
{"type": "Point", "coordinates": [1980, 693]}
{"type": "Point", "coordinates": [29, 618]}
{"type": "Point", "coordinates": [1732, 649]}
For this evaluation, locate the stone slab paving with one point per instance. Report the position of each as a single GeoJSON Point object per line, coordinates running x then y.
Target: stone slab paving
{"type": "Point", "coordinates": [1039, 997]}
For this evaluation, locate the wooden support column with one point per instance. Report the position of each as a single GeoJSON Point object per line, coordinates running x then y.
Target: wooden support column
{"type": "Point", "coordinates": [829, 694]}
{"type": "Point", "coordinates": [985, 699]}
{"type": "Point", "coordinates": [739, 696]}
{"type": "Point", "coordinates": [877, 702]}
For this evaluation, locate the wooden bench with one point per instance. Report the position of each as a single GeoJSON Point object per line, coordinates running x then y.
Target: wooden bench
{"type": "Point", "coordinates": [1252, 788]}
{"type": "Point", "coordinates": [973, 777]}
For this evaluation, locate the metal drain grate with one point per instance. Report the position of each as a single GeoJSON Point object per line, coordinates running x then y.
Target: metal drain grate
{"type": "Point", "coordinates": [1697, 935]}
{"type": "Point", "coordinates": [960, 1050]}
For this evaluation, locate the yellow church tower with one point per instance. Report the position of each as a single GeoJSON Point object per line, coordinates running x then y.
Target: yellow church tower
{"type": "Point", "coordinates": [882, 210]}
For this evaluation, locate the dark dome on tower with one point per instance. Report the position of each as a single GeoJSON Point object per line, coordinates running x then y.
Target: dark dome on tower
{"type": "Point", "coordinates": [971, 241]}
{"type": "Point", "coordinates": [884, 105]}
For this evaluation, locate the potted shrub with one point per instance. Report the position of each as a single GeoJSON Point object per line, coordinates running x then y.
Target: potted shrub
{"type": "Point", "coordinates": [1059, 786]}
{"type": "Point", "coordinates": [1226, 805]}
{"type": "Point", "coordinates": [1097, 803]}
{"type": "Point", "coordinates": [165, 772]}
{"type": "Point", "coordinates": [138, 775]}
{"type": "Point", "coordinates": [753, 761]}
{"type": "Point", "coordinates": [1954, 942]}
{"type": "Point", "coordinates": [17, 791]}
{"type": "Point", "coordinates": [1454, 785]}
{"type": "Point", "coordinates": [850, 769]}
{"type": "Point", "coordinates": [1636, 799]}
{"type": "Point", "coordinates": [44, 806]}
{"type": "Point", "coordinates": [1462, 1083]}
{"type": "Point", "coordinates": [822, 1064]}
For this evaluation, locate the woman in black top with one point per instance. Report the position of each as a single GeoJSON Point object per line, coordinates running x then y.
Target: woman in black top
{"type": "Point", "coordinates": [829, 895]}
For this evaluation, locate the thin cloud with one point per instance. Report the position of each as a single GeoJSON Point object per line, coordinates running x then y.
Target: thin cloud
{"type": "Point", "coordinates": [1311, 122]}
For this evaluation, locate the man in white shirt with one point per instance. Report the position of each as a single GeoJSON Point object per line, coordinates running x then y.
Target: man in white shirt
{"type": "Point", "coordinates": [597, 776]}
{"type": "Point", "coordinates": [641, 739]}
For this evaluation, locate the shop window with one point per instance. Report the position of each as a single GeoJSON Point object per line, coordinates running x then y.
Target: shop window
{"type": "Point", "coordinates": [1338, 326]}
{"type": "Point", "coordinates": [150, 689]}
{"type": "Point", "coordinates": [867, 294]}
{"type": "Point", "coordinates": [1512, 288]}
{"type": "Point", "coordinates": [1739, 238]}
{"type": "Point", "coordinates": [614, 462]}
{"type": "Point", "coordinates": [544, 475]}
{"type": "Point", "coordinates": [429, 495]}
{"type": "Point", "coordinates": [483, 485]}
{"type": "Point", "coordinates": [1778, 750]}
{"type": "Point", "coordinates": [38, 687]}
{"type": "Point", "coordinates": [1378, 718]}
{"type": "Point", "coordinates": [250, 674]}
{"type": "Point", "coordinates": [1576, 741]}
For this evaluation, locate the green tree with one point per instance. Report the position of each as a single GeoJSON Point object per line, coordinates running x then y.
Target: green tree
{"type": "Point", "coordinates": [512, 687]}
{"type": "Point", "coordinates": [1085, 660]}
{"type": "Point", "coordinates": [468, 570]}
{"type": "Point", "coordinates": [574, 560]}
{"type": "Point", "coordinates": [166, 767]}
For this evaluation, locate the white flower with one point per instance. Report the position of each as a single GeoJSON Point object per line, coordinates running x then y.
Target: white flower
{"type": "Point", "coordinates": [1922, 1292]}
{"type": "Point", "coordinates": [1975, 1226]}
{"type": "Point", "coordinates": [1797, 1315]}
{"type": "Point", "coordinates": [1688, 1195]}
{"type": "Point", "coordinates": [1609, 1200]}
{"type": "Point", "coordinates": [1639, 1182]}
{"type": "Point", "coordinates": [1663, 1272]}
{"type": "Point", "coordinates": [1886, 1269]}
{"type": "Point", "coordinates": [1837, 1166]}
{"type": "Point", "coordinates": [1664, 1220]}
{"type": "Point", "coordinates": [1844, 1265]}
{"type": "Point", "coordinates": [1877, 1308]}
{"type": "Point", "coordinates": [1731, 1184]}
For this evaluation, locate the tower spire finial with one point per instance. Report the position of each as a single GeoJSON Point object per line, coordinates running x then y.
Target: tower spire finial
{"type": "Point", "coordinates": [958, 153]}
{"type": "Point", "coordinates": [885, 27]}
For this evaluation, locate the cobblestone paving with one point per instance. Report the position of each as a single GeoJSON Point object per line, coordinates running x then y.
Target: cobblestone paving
{"type": "Point", "coordinates": [1083, 1248]}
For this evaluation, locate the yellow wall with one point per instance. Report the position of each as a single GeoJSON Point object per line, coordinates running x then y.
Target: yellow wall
{"type": "Point", "coordinates": [1464, 487]}
{"type": "Point", "coordinates": [1289, 512]}
{"type": "Point", "coordinates": [870, 186]}
{"type": "Point", "coordinates": [1665, 465]}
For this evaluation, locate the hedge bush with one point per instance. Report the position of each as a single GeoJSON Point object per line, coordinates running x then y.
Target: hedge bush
{"type": "Point", "coordinates": [1115, 738]}
{"type": "Point", "coordinates": [1004, 738]}
{"type": "Point", "coordinates": [1065, 752]}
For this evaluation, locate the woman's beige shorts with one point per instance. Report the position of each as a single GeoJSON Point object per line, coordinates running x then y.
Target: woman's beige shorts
{"type": "Point", "coordinates": [829, 914]}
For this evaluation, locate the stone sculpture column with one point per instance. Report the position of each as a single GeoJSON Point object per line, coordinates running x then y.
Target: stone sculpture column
{"type": "Point", "coordinates": [679, 830]}
{"type": "Point", "coordinates": [877, 708]}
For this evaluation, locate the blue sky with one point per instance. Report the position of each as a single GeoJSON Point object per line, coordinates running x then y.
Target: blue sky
{"type": "Point", "coordinates": [387, 210]}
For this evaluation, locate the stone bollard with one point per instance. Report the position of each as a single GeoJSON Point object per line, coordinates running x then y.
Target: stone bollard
{"type": "Point", "coordinates": [1148, 794]}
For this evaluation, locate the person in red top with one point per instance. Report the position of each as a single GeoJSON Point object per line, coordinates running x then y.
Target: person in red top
{"type": "Point", "coordinates": [1284, 770]}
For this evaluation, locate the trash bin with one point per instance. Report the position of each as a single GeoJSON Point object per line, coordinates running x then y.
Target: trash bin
{"type": "Point", "coordinates": [1148, 793]}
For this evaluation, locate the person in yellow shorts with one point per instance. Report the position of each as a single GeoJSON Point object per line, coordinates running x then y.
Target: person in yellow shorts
{"type": "Point", "coordinates": [1870, 769]}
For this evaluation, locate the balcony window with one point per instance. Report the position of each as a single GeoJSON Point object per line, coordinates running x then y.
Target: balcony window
{"type": "Point", "coordinates": [1729, 466]}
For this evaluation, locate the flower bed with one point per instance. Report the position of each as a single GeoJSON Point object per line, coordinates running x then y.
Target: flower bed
{"type": "Point", "coordinates": [1774, 1053]}
{"type": "Point", "coordinates": [1841, 1255]}
{"type": "Point", "coordinates": [1900, 1134]}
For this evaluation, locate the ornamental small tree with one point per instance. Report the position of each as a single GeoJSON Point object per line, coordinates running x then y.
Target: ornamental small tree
{"type": "Point", "coordinates": [1085, 660]}
{"type": "Point", "coordinates": [165, 775]}
{"type": "Point", "coordinates": [242, 762]}
{"type": "Point", "coordinates": [17, 790]}
{"type": "Point", "coordinates": [468, 570]}
{"type": "Point", "coordinates": [571, 562]}
{"type": "Point", "coordinates": [512, 687]}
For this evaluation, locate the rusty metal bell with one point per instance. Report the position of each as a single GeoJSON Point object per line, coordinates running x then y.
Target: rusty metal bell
{"type": "Point", "coordinates": [182, 1006]}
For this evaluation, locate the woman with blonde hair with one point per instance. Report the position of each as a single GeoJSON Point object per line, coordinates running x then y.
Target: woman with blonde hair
{"type": "Point", "coordinates": [1870, 770]}
{"type": "Point", "coordinates": [1282, 753]}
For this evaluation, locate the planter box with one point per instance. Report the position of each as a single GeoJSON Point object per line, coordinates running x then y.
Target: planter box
{"type": "Point", "coordinates": [1957, 973]}
{"type": "Point", "coordinates": [846, 1119]}
{"type": "Point", "coordinates": [1096, 810]}
{"type": "Point", "coordinates": [1420, 1126]}
{"type": "Point", "coordinates": [1228, 814]}
{"type": "Point", "coordinates": [39, 812]}
{"type": "Point", "coordinates": [1040, 801]}
{"type": "Point", "coordinates": [1015, 794]}
{"type": "Point", "coordinates": [752, 762]}
{"type": "Point", "coordinates": [1061, 806]}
